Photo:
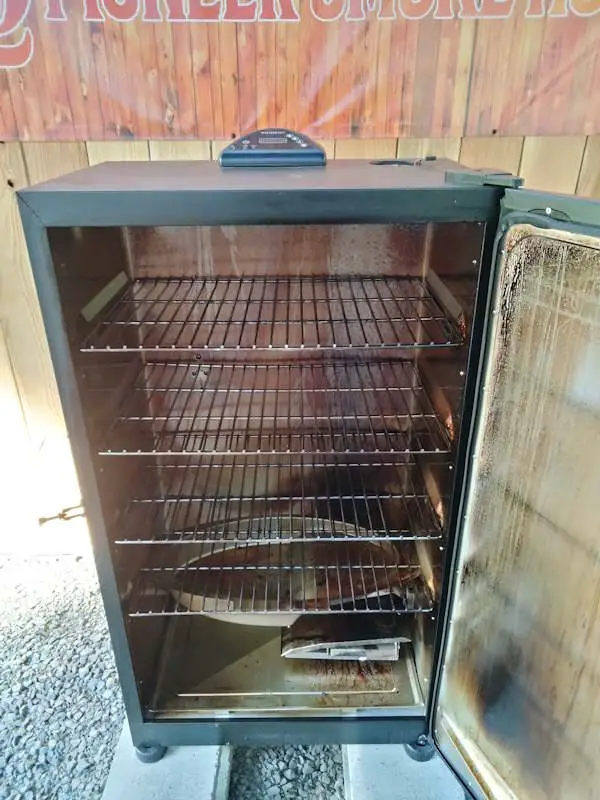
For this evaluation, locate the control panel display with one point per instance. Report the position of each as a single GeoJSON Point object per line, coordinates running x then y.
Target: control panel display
{"type": "Point", "coordinates": [273, 147]}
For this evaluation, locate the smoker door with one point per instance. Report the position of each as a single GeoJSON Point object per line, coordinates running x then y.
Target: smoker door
{"type": "Point", "coordinates": [516, 706]}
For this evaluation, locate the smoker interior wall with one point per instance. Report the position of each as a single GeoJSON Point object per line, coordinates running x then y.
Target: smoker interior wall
{"type": "Point", "coordinates": [521, 686]}
{"type": "Point", "coordinates": [87, 260]}
{"type": "Point", "coordinates": [290, 250]}
{"type": "Point", "coordinates": [285, 250]}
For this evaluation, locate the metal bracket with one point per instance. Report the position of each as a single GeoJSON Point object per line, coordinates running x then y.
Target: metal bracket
{"type": "Point", "coordinates": [483, 178]}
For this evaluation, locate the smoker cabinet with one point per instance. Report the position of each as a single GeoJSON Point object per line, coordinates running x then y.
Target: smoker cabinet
{"type": "Point", "coordinates": [337, 433]}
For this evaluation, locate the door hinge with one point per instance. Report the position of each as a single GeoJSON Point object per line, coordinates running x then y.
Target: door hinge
{"type": "Point", "coordinates": [483, 178]}
{"type": "Point", "coordinates": [554, 214]}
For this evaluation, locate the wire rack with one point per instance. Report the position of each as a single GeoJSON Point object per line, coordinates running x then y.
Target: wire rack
{"type": "Point", "coordinates": [280, 579]}
{"type": "Point", "coordinates": [278, 502]}
{"type": "Point", "coordinates": [273, 408]}
{"type": "Point", "coordinates": [274, 313]}
{"type": "Point", "coordinates": [290, 487]}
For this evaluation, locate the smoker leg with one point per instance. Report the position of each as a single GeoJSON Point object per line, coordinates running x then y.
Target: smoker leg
{"type": "Point", "coordinates": [420, 750]}
{"type": "Point", "coordinates": [150, 753]}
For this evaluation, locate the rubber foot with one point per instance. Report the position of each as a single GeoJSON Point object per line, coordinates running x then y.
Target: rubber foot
{"type": "Point", "coordinates": [150, 753]}
{"type": "Point", "coordinates": [421, 750]}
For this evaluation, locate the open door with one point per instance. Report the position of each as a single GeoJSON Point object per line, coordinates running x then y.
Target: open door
{"type": "Point", "coordinates": [516, 709]}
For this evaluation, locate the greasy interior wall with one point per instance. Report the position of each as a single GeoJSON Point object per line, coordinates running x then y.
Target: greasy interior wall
{"type": "Point", "coordinates": [342, 250]}
{"type": "Point", "coordinates": [284, 250]}
{"type": "Point", "coordinates": [521, 683]}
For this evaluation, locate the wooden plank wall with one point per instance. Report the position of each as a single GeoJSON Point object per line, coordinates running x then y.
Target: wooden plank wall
{"type": "Point", "coordinates": [562, 164]}
{"type": "Point", "coordinates": [343, 70]}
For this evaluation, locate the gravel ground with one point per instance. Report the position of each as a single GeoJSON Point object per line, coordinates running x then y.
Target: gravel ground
{"type": "Point", "coordinates": [290, 773]}
{"type": "Point", "coordinates": [60, 704]}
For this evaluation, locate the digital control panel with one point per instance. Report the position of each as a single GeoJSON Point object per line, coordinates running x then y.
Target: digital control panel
{"type": "Point", "coordinates": [273, 147]}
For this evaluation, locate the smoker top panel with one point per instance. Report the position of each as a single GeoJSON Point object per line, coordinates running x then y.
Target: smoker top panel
{"type": "Point", "coordinates": [156, 176]}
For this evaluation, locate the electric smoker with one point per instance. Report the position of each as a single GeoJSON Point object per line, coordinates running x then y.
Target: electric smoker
{"type": "Point", "coordinates": [335, 430]}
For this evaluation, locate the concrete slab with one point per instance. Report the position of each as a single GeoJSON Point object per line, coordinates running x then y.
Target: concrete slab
{"type": "Point", "coordinates": [371, 772]}
{"type": "Point", "coordinates": [185, 773]}
{"type": "Point", "coordinates": [380, 772]}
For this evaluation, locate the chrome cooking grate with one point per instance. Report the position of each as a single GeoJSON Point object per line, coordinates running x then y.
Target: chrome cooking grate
{"type": "Point", "coordinates": [280, 579]}
{"type": "Point", "coordinates": [242, 501]}
{"type": "Point", "coordinates": [274, 313]}
{"type": "Point", "coordinates": [185, 408]}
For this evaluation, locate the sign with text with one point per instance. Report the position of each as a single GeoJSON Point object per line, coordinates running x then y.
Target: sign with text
{"type": "Point", "coordinates": [101, 69]}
